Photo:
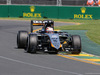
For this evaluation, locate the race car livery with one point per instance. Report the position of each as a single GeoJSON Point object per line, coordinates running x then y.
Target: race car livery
{"type": "Point", "coordinates": [47, 40]}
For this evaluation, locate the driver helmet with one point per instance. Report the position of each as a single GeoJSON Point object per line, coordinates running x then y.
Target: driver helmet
{"type": "Point", "coordinates": [49, 30]}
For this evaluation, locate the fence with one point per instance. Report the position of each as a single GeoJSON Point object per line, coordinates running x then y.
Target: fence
{"type": "Point", "coordinates": [35, 2]}
{"type": "Point", "coordinates": [46, 2]}
{"type": "Point", "coordinates": [74, 2]}
{"type": "Point", "coordinates": [3, 1]}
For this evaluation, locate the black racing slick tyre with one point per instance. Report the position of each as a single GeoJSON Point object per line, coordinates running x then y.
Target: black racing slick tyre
{"type": "Point", "coordinates": [32, 43]}
{"type": "Point", "coordinates": [22, 39]}
{"type": "Point", "coordinates": [76, 44]}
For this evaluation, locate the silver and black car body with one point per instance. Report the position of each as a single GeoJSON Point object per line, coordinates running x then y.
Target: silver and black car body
{"type": "Point", "coordinates": [48, 42]}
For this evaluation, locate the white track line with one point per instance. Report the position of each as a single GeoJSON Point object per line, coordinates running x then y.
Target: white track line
{"type": "Point", "coordinates": [92, 73]}
{"type": "Point", "coordinates": [30, 64]}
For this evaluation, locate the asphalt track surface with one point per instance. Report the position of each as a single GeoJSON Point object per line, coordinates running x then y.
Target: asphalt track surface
{"type": "Point", "coordinates": [15, 61]}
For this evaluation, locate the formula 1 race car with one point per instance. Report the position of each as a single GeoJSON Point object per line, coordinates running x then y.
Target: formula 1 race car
{"type": "Point", "coordinates": [48, 40]}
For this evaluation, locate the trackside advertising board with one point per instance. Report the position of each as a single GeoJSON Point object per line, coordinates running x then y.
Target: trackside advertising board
{"type": "Point", "coordinates": [33, 11]}
{"type": "Point", "coordinates": [59, 12]}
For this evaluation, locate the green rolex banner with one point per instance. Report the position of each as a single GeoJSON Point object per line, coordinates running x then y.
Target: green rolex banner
{"type": "Point", "coordinates": [59, 12]}
{"type": "Point", "coordinates": [83, 15]}
{"type": "Point", "coordinates": [32, 13]}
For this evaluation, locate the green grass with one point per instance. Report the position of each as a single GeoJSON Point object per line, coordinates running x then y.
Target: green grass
{"type": "Point", "coordinates": [92, 26]}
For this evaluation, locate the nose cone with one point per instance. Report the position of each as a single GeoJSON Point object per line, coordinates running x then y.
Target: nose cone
{"type": "Point", "coordinates": [55, 42]}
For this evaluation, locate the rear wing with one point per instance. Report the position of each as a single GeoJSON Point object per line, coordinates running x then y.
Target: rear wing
{"type": "Point", "coordinates": [37, 22]}
{"type": "Point", "coordinates": [40, 23]}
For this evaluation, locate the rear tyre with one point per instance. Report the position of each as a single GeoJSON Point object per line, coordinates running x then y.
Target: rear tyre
{"type": "Point", "coordinates": [76, 44]}
{"type": "Point", "coordinates": [32, 43]}
{"type": "Point", "coordinates": [22, 39]}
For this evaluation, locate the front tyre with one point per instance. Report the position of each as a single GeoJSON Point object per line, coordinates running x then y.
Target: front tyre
{"type": "Point", "coordinates": [32, 43]}
{"type": "Point", "coordinates": [76, 44]}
